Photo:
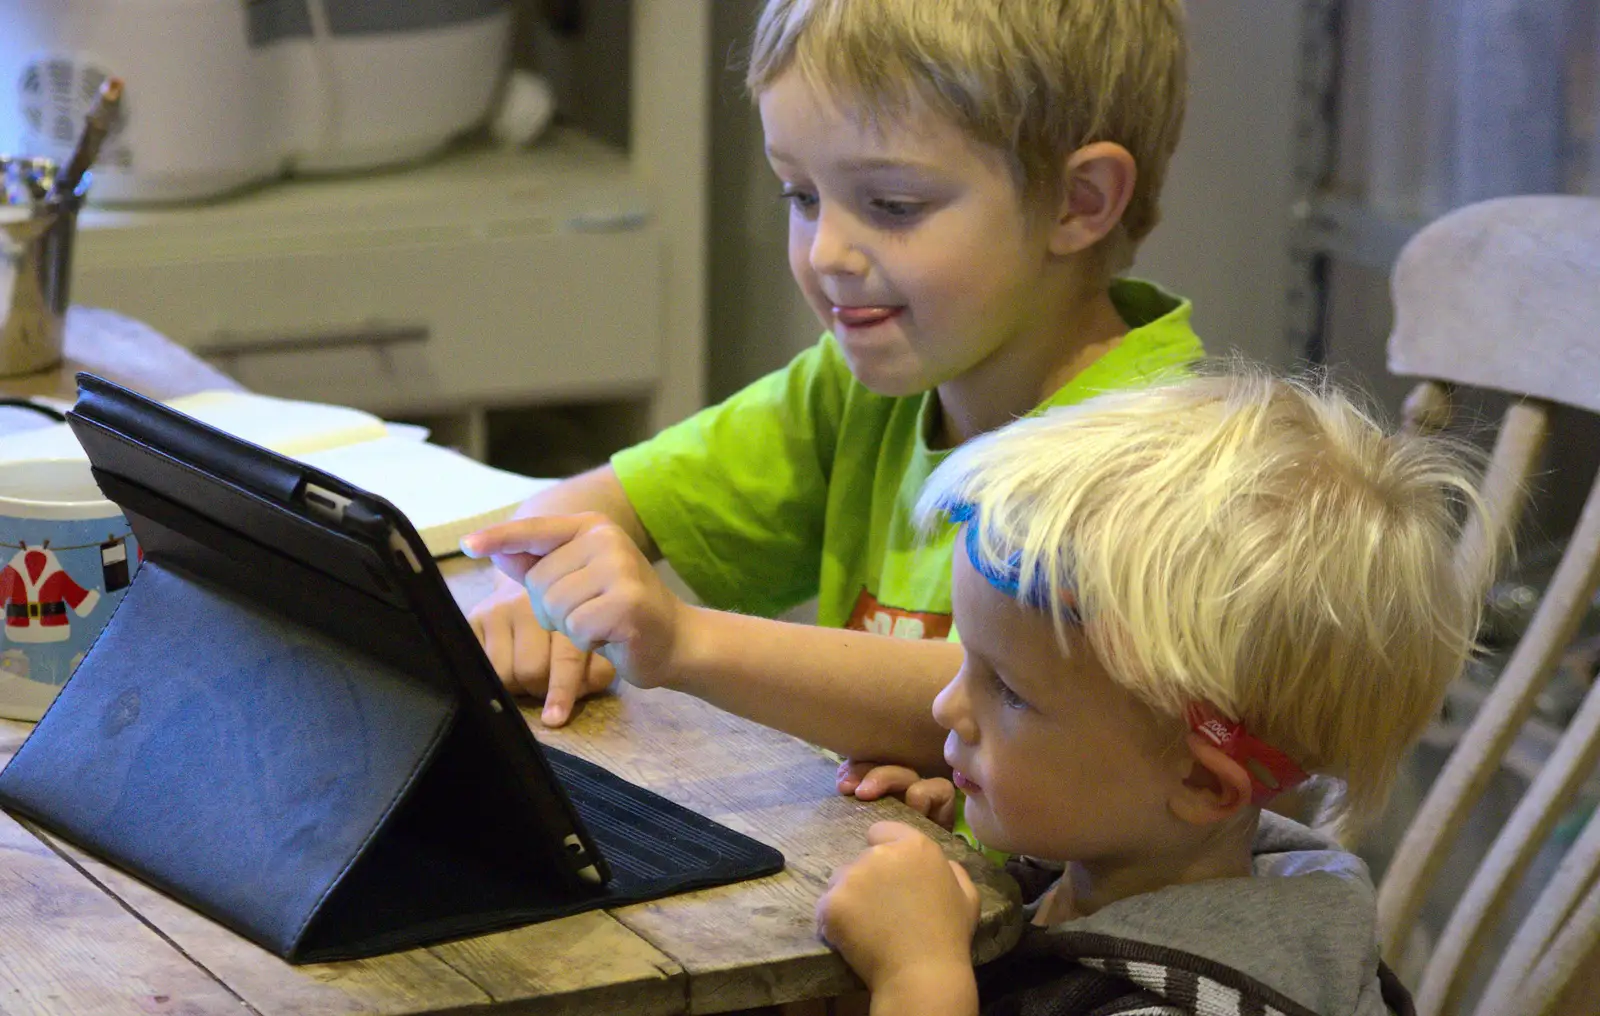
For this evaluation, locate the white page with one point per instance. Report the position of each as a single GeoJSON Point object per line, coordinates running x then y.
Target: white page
{"type": "Point", "coordinates": [283, 425]}
{"type": "Point", "coordinates": [445, 494]}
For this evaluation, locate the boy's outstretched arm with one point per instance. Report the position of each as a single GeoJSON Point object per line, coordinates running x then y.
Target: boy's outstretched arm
{"type": "Point", "coordinates": [529, 659]}
{"type": "Point", "coordinates": [597, 490]}
{"type": "Point", "coordinates": [857, 694]}
{"type": "Point", "coordinates": [867, 696]}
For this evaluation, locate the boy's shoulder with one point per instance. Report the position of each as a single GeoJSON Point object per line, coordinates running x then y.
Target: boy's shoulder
{"type": "Point", "coordinates": [1160, 342]}
{"type": "Point", "coordinates": [1067, 984]}
{"type": "Point", "coordinates": [1299, 935]}
{"type": "Point", "coordinates": [1041, 984]}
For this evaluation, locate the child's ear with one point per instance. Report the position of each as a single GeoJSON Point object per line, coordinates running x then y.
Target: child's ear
{"type": "Point", "coordinates": [1214, 789]}
{"type": "Point", "coordinates": [1097, 183]}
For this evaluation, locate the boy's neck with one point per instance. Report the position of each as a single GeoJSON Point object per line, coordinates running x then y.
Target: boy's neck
{"type": "Point", "coordinates": [1028, 370]}
{"type": "Point", "coordinates": [1087, 887]}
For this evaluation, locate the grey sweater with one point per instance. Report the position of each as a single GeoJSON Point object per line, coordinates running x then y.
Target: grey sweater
{"type": "Point", "coordinates": [1297, 938]}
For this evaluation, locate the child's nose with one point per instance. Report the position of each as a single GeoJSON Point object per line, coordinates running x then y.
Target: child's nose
{"type": "Point", "coordinates": [950, 709]}
{"type": "Point", "coordinates": [832, 249]}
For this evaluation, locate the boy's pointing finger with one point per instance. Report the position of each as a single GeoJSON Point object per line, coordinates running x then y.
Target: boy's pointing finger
{"type": "Point", "coordinates": [537, 535]}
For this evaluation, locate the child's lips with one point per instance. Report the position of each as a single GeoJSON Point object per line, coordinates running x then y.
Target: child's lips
{"type": "Point", "coordinates": [964, 783]}
{"type": "Point", "coordinates": [864, 316]}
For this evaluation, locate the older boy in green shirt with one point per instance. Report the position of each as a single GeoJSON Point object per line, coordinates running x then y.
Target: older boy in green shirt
{"type": "Point", "coordinates": [965, 181]}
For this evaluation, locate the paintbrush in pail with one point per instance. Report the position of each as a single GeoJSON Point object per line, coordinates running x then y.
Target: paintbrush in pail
{"type": "Point", "coordinates": [97, 124]}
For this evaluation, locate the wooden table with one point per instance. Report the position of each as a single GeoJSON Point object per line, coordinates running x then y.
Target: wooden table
{"type": "Point", "coordinates": [123, 350]}
{"type": "Point", "coordinates": [78, 936]}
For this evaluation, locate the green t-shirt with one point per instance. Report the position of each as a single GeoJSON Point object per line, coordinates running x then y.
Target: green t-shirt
{"type": "Point", "coordinates": [803, 483]}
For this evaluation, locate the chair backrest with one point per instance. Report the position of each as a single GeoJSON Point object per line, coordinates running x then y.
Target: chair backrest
{"type": "Point", "coordinates": [1505, 295]}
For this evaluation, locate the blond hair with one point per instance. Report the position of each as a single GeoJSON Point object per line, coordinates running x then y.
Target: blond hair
{"type": "Point", "coordinates": [1254, 543]}
{"type": "Point", "coordinates": [1037, 79]}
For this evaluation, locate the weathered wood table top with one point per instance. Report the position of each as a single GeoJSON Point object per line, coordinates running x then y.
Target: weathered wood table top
{"type": "Point", "coordinates": [123, 350]}
{"type": "Point", "coordinates": [78, 936]}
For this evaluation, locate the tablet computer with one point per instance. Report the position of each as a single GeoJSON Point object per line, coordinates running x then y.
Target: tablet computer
{"type": "Point", "coordinates": [305, 738]}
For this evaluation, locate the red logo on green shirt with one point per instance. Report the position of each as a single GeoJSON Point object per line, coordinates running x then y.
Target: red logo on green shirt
{"type": "Point", "coordinates": [871, 616]}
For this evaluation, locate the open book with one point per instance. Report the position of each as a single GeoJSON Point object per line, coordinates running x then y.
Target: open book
{"type": "Point", "coordinates": [445, 494]}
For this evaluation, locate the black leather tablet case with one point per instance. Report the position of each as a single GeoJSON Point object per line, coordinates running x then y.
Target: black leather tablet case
{"type": "Point", "coordinates": [270, 730]}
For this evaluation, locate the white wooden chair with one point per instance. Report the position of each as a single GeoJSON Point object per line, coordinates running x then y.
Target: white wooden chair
{"type": "Point", "coordinates": [1505, 295]}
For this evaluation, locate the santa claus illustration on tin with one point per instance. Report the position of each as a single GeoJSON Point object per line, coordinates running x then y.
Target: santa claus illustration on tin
{"type": "Point", "coordinates": [37, 593]}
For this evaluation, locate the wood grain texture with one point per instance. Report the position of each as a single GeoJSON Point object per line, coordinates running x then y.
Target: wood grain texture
{"type": "Point", "coordinates": [585, 964]}
{"type": "Point", "coordinates": [1504, 295]}
{"type": "Point", "coordinates": [264, 983]}
{"type": "Point", "coordinates": [1582, 995]}
{"type": "Point", "coordinates": [1557, 938]}
{"type": "Point", "coordinates": [68, 947]}
{"type": "Point", "coordinates": [1458, 788]}
{"type": "Point", "coordinates": [397, 983]}
{"type": "Point", "coordinates": [1483, 903]}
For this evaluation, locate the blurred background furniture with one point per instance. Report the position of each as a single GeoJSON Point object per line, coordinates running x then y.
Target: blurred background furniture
{"type": "Point", "coordinates": [571, 273]}
{"type": "Point", "coordinates": [1407, 109]}
{"type": "Point", "coordinates": [123, 350]}
{"type": "Point", "coordinates": [1505, 295]}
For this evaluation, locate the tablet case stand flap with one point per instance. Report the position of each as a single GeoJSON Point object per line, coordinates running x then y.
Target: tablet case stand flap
{"type": "Point", "coordinates": [238, 761]}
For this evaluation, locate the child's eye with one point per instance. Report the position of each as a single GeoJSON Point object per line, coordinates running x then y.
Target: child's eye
{"type": "Point", "coordinates": [896, 211]}
{"type": "Point", "coordinates": [804, 201]}
{"type": "Point", "coordinates": [1009, 698]}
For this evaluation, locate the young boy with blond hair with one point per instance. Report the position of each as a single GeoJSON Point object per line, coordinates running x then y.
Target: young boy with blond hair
{"type": "Point", "coordinates": [1175, 605]}
{"type": "Point", "coordinates": [965, 181]}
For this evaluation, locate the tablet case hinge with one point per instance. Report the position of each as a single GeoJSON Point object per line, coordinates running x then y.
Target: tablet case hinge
{"type": "Point", "coordinates": [325, 504]}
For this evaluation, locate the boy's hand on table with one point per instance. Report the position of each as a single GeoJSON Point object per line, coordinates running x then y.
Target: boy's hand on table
{"type": "Point", "coordinates": [902, 915]}
{"type": "Point", "coordinates": [934, 797]}
{"type": "Point", "coordinates": [587, 580]}
{"type": "Point", "coordinates": [529, 659]}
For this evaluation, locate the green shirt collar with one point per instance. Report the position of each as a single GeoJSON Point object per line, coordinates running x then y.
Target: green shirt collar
{"type": "Point", "coordinates": [1160, 340]}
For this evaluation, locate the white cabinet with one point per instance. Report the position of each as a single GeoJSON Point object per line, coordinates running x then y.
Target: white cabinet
{"type": "Point", "coordinates": [488, 278]}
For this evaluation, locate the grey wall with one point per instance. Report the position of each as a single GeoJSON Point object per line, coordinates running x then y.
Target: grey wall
{"type": "Point", "coordinates": [1222, 241]}
{"type": "Point", "coordinates": [758, 319]}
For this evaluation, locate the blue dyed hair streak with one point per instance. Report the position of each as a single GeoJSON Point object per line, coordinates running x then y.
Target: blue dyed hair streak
{"type": "Point", "coordinates": [1007, 576]}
